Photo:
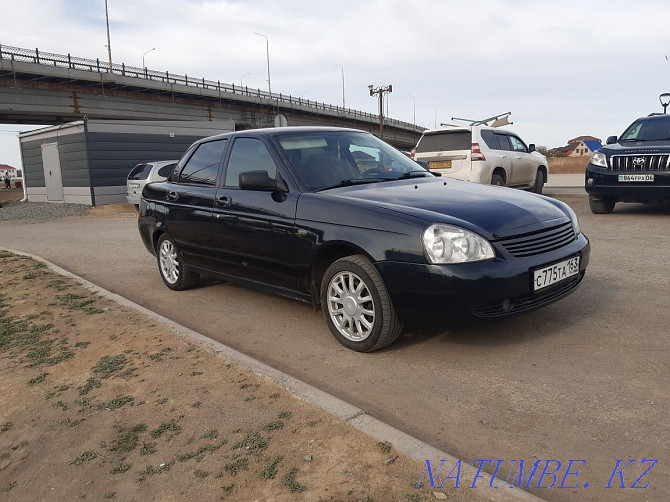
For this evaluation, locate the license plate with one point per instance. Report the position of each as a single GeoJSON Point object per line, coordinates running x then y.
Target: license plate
{"type": "Point", "coordinates": [133, 185]}
{"type": "Point", "coordinates": [636, 177]}
{"type": "Point", "coordinates": [557, 272]}
{"type": "Point", "coordinates": [446, 164]}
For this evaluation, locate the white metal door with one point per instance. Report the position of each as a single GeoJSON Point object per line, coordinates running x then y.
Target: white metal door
{"type": "Point", "coordinates": [52, 175]}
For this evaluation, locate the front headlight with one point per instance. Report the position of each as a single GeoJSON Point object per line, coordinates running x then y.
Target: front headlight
{"type": "Point", "coordinates": [599, 159]}
{"type": "Point", "coordinates": [573, 218]}
{"type": "Point", "coordinates": [449, 244]}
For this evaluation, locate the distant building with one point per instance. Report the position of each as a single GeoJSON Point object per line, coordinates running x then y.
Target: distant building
{"type": "Point", "coordinates": [579, 139]}
{"type": "Point", "coordinates": [9, 171]}
{"type": "Point", "coordinates": [583, 148]}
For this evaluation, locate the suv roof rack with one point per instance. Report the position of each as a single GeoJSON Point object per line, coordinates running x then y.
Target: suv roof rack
{"type": "Point", "coordinates": [497, 120]}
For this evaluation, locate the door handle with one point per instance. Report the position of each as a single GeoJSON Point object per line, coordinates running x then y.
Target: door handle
{"type": "Point", "coordinates": [171, 196]}
{"type": "Point", "coordinates": [224, 201]}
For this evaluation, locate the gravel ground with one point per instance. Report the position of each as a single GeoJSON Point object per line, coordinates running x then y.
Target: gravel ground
{"type": "Point", "coordinates": [40, 211]}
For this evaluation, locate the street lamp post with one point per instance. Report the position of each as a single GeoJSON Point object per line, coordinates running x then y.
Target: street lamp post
{"type": "Point", "coordinates": [143, 65]}
{"type": "Point", "coordinates": [241, 79]}
{"type": "Point", "coordinates": [380, 91]}
{"type": "Point", "coordinates": [342, 68]}
{"type": "Point", "coordinates": [413, 109]}
{"type": "Point", "coordinates": [109, 43]}
{"type": "Point", "coordinates": [267, 53]}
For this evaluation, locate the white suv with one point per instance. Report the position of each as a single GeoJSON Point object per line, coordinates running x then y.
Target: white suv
{"type": "Point", "coordinates": [483, 155]}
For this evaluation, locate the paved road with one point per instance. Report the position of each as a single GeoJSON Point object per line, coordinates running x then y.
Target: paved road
{"type": "Point", "coordinates": [584, 379]}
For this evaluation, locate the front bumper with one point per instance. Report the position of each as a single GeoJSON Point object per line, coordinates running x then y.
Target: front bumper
{"type": "Point", "coordinates": [606, 184]}
{"type": "Point", "coordinates": [439, 295]}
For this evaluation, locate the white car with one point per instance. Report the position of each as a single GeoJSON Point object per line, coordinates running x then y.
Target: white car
{"type": "Point", "coordinates": [483, 155]}
{"type": "Point", "coordinates": [146, 172]}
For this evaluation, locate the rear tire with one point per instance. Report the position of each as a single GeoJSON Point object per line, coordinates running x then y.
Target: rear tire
{"type": "Point", "coordinates": [175, 273]}
{"type": "Point", "coordinates": [601, 206]}
{"type": "Point", "coordinates": [497, 180]}
{"type": "Point", "coordinates": [357, 306]}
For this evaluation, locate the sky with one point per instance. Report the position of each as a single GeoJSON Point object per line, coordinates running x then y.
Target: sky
{"type": "Point", "coordinates": [563, 69]}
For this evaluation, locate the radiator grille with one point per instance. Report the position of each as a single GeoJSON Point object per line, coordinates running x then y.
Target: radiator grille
{"type": "Point", "coordinates": [542, 241]}
{"type": "Point", "coordinates": [646, 162]}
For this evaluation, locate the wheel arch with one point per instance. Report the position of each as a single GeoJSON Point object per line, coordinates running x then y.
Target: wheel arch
{"type": "Point", "coordinates": [327, 255]}
{"type": "Point", "coordinates": [544, 171]}
{"type": "Point", "coordinates": [500, 171]}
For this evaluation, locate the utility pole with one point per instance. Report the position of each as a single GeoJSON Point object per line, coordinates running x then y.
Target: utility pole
{"type": "Point", "coordinates": [109, 43]}
{"type": "Point", "coordinates": [380, 91]}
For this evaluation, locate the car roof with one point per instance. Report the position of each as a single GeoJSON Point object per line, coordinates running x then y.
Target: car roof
{"type": "Point", "coordinates": [459, 128]}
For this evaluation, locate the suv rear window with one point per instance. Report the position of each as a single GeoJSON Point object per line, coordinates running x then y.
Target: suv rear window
{"type": "Point", "coordinates": [445, 141]}
{"type": "Point", "coordinates": [140, 172]}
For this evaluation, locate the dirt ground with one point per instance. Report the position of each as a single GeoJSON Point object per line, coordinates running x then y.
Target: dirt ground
{"type": "Point", "coordinates": [99, 402]}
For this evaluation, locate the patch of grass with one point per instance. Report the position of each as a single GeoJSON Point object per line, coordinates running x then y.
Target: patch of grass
{"type": "Point", "coordinates": [148, 448]}
{"type": "Point", "coordinates": [201, 474]}
{"type": "Point", "coordinates": [270, 470]}
{"type": "Point", "coordinates": [166, 427]}
{"type": "Point", "coordinates": [384, 446]}
{"type": "Point", "coordinates": [9, 486]}
{"type": "Point", "coordinates": [211, 434]}
{"type": "Point", "coordinates": [312, 423]}
{"type": "Point", "coordinates": [84, 402]}
{"type": "Point", "coordinates": [109, 495]}
{"type": "Point", "coordinates": [289, 481]}
{"type": "Point", "coordinates": [284, 414]}
{"type": "Point", "coordinates": [127, 439]}
{"type": "Point", "coordinates": [38, 379]}
{"type": "Point", "coordinates": [116, 403]}
{"type": "Point", "coordinates": [274, 396]}
{"type": "Point", "coordinates": [414, 497]}
{"type": "Point", "coordinates": [274, 426]}
{"type": "Point", "coordinates": [200, 452]}
{"type": "Point", "coordinates": [86, 456]}
{"type": "Point", "coordinates": [245, 386]}
{"type": "Point", "coordinates": [196, 373]}
{"type": "Point", "coordinates": [162, 400]}
{"type": "Point", "coordinates": [91, 383]}
{"type": "Point", "coordinates": [83, 345]}
{"type": "Point", "coordinates": [6, 426]}
{"type": "Point", "coordinates": [253, 443]}
{"type": "Point", "coordinates": [120, 468]}
{"type": "Point", "coordinates": [35, 274]}
{"type": "Point", "coordinates": [241, 464]}
{"type": "Point", "coordinates": [197, 404]}
{"type": "Point", "coordinates": [61, 405]}
{"type": "Point", "coordinates": [228, 489]}
{"type": "Point", "coordinates": [151, 470]}
{"type": "Point", "coordinates": [57, 284]}
{"type": "Point", "coordinates": [109, 365]}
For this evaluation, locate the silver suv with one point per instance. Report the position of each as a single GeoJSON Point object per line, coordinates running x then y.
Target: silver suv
{"type": "Point", "coordinates": [483, 155]}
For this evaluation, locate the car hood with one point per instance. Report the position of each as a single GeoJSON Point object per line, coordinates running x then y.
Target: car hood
{"type": "Point", "coordinates": [636, 147]}
{"type": "Point", "coordinates": [496, 211]}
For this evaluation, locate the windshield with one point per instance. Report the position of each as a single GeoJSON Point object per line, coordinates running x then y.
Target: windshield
{"type": "Point", "coordinates": [327, 159]}
{"type": "Point", "coordinates": [648, 129]}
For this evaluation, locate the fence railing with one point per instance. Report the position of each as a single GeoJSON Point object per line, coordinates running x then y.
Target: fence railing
{"type": "Point", "coordinates": [95, 65]}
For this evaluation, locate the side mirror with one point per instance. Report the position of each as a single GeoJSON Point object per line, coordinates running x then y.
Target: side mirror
{"type": "Point", "coordinates": [531, 147]}
{"type": "Point", "coordinates": [260, 181]}
{"type": "Point", "coordinates": [611, 140]}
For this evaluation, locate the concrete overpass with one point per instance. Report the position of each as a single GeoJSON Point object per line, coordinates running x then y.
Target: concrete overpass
{"type": "Point", "coordinates": [44, 88]}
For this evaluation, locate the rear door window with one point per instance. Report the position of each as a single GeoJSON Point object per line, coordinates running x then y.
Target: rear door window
{"type": "Point", "coordinates": [491, 140]}
{"type": "Point", "coordinates": [445, 141]}
{"type": "Point", "coordinates": [140, 171]}
{"type": "Point", "coordinates": [503, 142]}
{"type": "Point", "coordinates": [203, 166]}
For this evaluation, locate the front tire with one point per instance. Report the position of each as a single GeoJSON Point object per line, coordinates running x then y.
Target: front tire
{"type": "Point", "coordinates": [497, 180]}
{"type": "Point", "coordinates": [601, 206]}
{"type": "Point", "coordinates": [357, 306]}
{"type": "Point", "coordinates": [539, 182]}
{"type": "Point", "coordinates": [175, 273]}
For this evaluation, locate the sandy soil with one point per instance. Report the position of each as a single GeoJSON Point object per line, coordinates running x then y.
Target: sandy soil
{"type": "Point", "coordinates": [99, 402]}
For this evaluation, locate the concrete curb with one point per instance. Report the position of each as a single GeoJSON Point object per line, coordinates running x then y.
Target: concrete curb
{"type": "Point", "coordinates": [356, 417]}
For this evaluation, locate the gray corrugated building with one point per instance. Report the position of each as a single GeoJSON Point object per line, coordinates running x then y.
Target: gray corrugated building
{"type": "Point", "coordinates": [87, 161]}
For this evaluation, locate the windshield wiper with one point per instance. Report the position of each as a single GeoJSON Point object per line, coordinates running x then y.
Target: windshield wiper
{"type": "Point", "coordinates": [350, 182]}
{"type": "Point", "coordinates": [410, 174]}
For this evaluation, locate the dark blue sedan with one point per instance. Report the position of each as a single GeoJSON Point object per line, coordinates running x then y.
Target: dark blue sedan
{"type": "Point", "coordinates": [338, 218]}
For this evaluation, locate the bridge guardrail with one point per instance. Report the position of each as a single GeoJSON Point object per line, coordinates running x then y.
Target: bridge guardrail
{"type": "Point", "coordinates": [95, 65]}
